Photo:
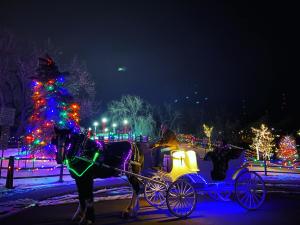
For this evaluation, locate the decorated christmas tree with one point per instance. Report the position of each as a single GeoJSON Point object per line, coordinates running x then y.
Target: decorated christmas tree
{"type": "Point", "coordinates": [262, 141]}
{"type": "Point", "coordinates": [287, 149]}
{"type": "Point", "coordinates": [52, 106]}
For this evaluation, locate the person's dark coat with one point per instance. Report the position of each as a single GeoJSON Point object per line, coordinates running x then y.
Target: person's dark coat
{"type": "Point", "coordinates": [168, 139]}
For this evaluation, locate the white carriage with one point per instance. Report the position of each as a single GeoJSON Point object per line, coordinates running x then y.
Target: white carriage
{"type": "Point", "coordinates": [184, 176]}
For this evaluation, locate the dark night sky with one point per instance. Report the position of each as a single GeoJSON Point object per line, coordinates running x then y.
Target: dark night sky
{"type": "Point", "coordinates": [224, 51]}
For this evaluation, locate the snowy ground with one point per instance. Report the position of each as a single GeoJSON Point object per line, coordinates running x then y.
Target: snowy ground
{"type": "Point", "coordinates": [99, 195]}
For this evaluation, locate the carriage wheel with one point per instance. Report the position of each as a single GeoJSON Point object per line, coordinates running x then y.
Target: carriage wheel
{"type": "Point", "coordinates": [155, 194]}
{"type": "Point", "coordinates": [181, 198]}
{"type": "Point", "coordinates": [250, 190]}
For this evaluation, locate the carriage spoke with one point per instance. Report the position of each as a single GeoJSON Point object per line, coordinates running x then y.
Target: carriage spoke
{"type": "Point", "coordinates": [181, 199]}
{"type": "Point", "coordinates": [155, 193]}
{"type": "Point", "coordinates": [250, 200]}
{"type": "Point", "coordinates": [189, 188]}
{"type": "Point", "coordinates": [250, 190]}
{"type": "Point", "coordinates": [255, 198]}
{"type": "Point", "coordinates": [161, 198]}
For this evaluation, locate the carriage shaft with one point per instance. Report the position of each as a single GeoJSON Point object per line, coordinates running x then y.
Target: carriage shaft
{"type": "Point", "coordinates": [134, 174]}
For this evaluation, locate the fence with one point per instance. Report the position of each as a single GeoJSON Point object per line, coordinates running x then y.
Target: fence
{"type": "Point", "coordinates": [271, 167]}
{"type": "Point", "coordinates": [13, 165]}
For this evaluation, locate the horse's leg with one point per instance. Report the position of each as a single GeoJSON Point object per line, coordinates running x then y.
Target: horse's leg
{"type": "Point", "coordinates": [126, 211]}
{"type": "Point", "coordinates": [86, 185]}
{"type": "Point", "coordinates": [80, 212]}
{"type": "Point", "coordinates": [90, 212]}
{"type": "Point", "coordinates": [133, 206]}
{"type": "Point", "coordinates": [135, 195]}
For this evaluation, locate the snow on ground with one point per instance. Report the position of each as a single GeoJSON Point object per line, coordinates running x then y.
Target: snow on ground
{"type": "Point", "coordinates": [282, 178]}
{"type": "Point", "coordinates": [22, 184]}
{"type": "Point", "coordinates": [26, 185]}
{"type": "Point", "coordinates": [11, 152]}
{"type": "Point", "coordinates": [99, 195]}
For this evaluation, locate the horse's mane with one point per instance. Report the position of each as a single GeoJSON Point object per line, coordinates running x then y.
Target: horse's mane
{"type": "Point", "coordinates": [80, 144]}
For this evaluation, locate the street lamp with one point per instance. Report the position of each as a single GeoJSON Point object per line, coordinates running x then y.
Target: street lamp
{"type": "Point", "coordinates": [95, 125]}
{"type": "Point", "coordinates": [114, 125]}
{"type": "Point", "coordinates": [125, 122]}
{"type": "Point", "coordinates": [104, 121]}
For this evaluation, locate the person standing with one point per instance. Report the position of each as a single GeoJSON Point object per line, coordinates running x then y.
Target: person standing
{"type": "Point", "coordinates": [168, 141]}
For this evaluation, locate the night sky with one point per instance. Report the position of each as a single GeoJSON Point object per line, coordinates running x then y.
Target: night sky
{"type": "Point", "coordinates": [225, 52]}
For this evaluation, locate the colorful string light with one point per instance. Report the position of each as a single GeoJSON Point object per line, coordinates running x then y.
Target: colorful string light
{"type": "Point", "coordinates": [262, 141]}
{"type": "Point", "coordinates": [52, 106]}
{"type": "Point", "coordinates": [208, 131]}
{"type": "Point", "coordinates": [287, 151]}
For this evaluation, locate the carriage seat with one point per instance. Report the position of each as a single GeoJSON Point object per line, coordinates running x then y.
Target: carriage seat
{"type": "Point", "coordinates": [221, 158]}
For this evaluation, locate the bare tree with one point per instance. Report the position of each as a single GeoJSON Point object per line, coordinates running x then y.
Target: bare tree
{"type": "Point", "coordinates": [7, 54]}
{"type": "Point", "coordinates": [136, 111]}
{"type": "Point", "coordinates": [14, 83]}
{"type": "Point", "coordinates": [82, 88]}
{"type": "Point", "coordinates": [26, 68]}
{"type": "Point", "coordinates": [168, 114]}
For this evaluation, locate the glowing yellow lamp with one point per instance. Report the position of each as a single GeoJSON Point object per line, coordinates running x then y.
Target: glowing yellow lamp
{"type": "Point", "coordinates": [179, 154]}
{"type": "Point", "coordinates": [192, 160]}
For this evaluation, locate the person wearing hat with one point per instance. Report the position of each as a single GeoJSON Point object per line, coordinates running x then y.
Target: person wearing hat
{"type": "Point", "coordinates": [168, 141]}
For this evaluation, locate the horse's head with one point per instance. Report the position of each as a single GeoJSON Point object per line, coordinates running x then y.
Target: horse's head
{"type": "Point", "coordinates": [61, 140]}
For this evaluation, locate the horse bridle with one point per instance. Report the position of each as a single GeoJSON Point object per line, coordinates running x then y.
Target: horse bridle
{"type": "Point", "coordinates": [61, 145]}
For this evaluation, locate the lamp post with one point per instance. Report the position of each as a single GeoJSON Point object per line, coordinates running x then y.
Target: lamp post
{"type": "Point", "coordinates": [95, 125]}
{"type": "Point", "coordinates": [104, 121]}
{"type": "Point", "coordinates": [125, 122]}
{"type": "Point", "coordinates": [114, 125]}
{"type": "Point", "coordinates": [89, 132]}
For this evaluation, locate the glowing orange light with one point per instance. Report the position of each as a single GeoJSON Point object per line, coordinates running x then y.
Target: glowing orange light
{"type": "Point", "coordinates": [75, 106]}
{"type": "Point", "coordinates": [51, 81]}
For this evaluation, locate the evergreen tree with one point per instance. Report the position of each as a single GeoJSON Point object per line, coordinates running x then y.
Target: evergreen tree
{"type": "Point", "coordinates": [52, 106]}
{"type": "Point", "coordinates": [287, 149]}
